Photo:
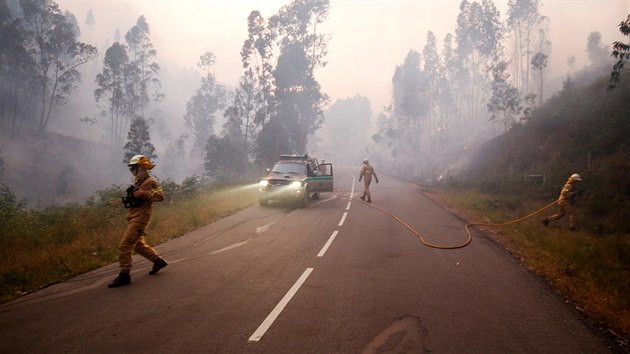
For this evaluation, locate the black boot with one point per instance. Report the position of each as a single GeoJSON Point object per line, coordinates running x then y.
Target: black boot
{"type": "Point", "coordinates": [157, 265]}
{"type": "Point", "coordinates": [362, 197]}
{"type": "Point", "coordinates": [369, 200]}
{"type": "Point", "coordinates": [121, 280]}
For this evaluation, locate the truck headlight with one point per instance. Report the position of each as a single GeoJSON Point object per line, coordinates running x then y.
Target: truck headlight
{"type": "Point", "coordinates": [296, 184]}
{"type": "Point", "coordinates": [263, 183]}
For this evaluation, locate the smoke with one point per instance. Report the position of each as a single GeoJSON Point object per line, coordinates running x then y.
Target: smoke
{"type": "Point", "coordinates": [368, 41]}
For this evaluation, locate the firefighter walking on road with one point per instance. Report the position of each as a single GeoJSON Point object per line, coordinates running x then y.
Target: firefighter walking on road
{"type": "Point", "coordinates": [367, 172]}
{"type": "Point", "coordinates": [141, 195]}
{"type": "Point", "coordinates": [566, 202]}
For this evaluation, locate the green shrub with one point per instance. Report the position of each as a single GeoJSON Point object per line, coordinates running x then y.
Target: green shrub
{"type": "Point", "coordinates": [41, 247]}
{"type": "Point", "coordinates": [191, 184]}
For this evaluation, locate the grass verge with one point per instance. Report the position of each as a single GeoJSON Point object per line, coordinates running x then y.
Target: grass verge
{"type": "Point", "coordinates": [591, 270]}
{"type": "Point", "coordinates": [42, 247]}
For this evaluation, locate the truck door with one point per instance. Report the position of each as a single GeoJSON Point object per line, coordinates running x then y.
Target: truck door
{"type": "Point", "coordinates": [322, 181]}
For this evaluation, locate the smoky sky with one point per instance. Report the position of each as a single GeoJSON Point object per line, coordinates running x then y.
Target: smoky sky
{"type": "Point", "coordinates": [368, 38]}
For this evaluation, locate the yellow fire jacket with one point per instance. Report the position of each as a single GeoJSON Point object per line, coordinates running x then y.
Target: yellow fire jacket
{"type": "Point", "coordinates": [367, 171]}
{"type": "Point", "coordinates": [567, 194]}
{"type": "Point", "coordinates": [143, 213]}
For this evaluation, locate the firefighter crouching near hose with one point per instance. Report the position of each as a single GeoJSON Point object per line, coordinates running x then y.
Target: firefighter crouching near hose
{"type": "Point", "coordinates": [367, 172]}
{"type": "Point", "coordinates": [141, 195]}
{"type": "Point", "coordinates": [566, 202]}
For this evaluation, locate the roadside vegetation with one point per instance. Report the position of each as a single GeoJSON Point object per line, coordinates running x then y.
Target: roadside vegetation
{"type": "Point", "coordinates": [589, 269]}
{"type": "Point", "coordinates": [581, 130]}
{"type": "Point", "coordinates": [47, 246]}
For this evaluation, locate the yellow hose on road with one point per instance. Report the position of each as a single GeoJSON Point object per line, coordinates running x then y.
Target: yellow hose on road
{"type": "Point", "coordinates": [466, 227]}
{"type": "Point", "coordinates": [509, 222]}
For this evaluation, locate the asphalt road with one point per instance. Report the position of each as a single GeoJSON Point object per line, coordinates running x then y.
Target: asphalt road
{"type": "Point", "coordinates": [336, 277]}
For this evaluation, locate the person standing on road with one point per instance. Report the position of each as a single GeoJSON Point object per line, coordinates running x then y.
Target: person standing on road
{"type": "Point", "coordinates": [367, 172]}
{"type": "Point", "coordinates": [144, 192]}
{"type": "Point", "coordinates": [566, 202]}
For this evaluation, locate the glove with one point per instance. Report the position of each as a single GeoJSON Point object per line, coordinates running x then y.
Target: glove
{"type": "Point", "coordinates": [376, 180]}
{"type": "Point", "coordinates": [359, 179]}
{"type": "Point", "coordinates": [131, 200]}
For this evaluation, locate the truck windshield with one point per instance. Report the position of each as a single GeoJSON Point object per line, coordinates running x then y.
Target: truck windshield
{"type": "Point", "coordinates": [288, 167]}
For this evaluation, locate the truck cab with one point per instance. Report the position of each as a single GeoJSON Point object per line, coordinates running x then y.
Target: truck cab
{"type": "Point", "coordinates": [296, 178]}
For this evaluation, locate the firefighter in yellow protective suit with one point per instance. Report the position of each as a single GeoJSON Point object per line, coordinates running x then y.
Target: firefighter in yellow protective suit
{"type": "Point", "coordinates": [367, 172]}
{"type": "Point", "coordinates": [566, 202]}
{"type": "Point", "coordinates": [143, 193]}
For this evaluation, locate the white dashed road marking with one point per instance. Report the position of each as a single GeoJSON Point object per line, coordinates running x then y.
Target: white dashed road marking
{"type": "Point", "coordinates": [328, 243]}
{"type": "Point", "coordinates": [260, 331]}
{"type": "Point", "coordinates": [266, 324]}
{"type": "Point", "coordinates": [343, 218]}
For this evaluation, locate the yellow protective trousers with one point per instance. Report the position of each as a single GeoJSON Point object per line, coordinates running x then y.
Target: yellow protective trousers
{"type": "Point", "coordinates": [133, 239]}
{"type": "Point", "coordinates": [366, 187]}
{"type": "Point", "coordinates": [565, 209]}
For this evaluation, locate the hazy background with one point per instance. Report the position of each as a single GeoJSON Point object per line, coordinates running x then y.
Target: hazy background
{"type": "Point", "coordinates": [369, 40]}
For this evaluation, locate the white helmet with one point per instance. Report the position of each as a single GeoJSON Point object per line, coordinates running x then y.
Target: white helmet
{"type": "Point", "coordinates": [141, 161]}
{"type": "Point", "coordinates": [365, 160]}
{"type": "Point", "coordinates": [575, 177]}
{"type": "Point", "coordinates": [134, 160]}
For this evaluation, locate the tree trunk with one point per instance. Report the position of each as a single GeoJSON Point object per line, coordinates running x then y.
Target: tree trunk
{"type": "Point", "coordinates": [43, 108]}
{"type": "Point", "coordinates": [541, 88]}
{"type": "Point", "coordinates": [50, 104]}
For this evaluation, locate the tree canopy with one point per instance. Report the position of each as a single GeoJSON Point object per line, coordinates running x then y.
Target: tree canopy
{"type": "Point", "coordinates": [39, 59]}
{"type": "Point", "coordinates": [621, 52]}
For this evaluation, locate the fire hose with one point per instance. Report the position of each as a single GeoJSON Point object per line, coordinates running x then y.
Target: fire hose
{"type": "Point", "coordinates": [466, 227]}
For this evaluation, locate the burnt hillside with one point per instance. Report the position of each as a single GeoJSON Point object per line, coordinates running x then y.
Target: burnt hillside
{"type": "Point", "coordinates": [49, 168]}
{"type": "Point", "coordinates": [582, 129]}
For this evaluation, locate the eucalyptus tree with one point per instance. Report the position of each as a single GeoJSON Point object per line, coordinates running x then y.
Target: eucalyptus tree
{"type": "Point", "coordinates": [17, 73]}
{"type": "Point", "coordinates": [505, 104]}
{"type": "Point", "coordinates": [597, 53]}
{"type": "Point", "coordinates": [139, 140]}
{"type": "Point", "coordinates": [410, 105]}
{"type": "Point", "coordinates": [253, 98]}
{"type": "Point", "coordinates": [454, 75]}
{"type": "Point", "coordinates": [111, 92]}
{"type": "Point", "coordinates": [621, 52]}
{"type": "Point", "coordinates": [256, 59]}
{"type": "Point", "coordinates": [239, 124]}
{"type": "Point", "coordinates": [298, 95]}
{"type": "Point", "coordinates": [539, 63]}
{"type": "Point", "coordinates": [479, 34]}
{"type": "Point", "coordinates": [299, 100]}
{"type": "Point", "coordinates": [386, 132]}
{"type": "Point", "coordinates": [447, 100]}
{"type": "Point", "coordinates": [525, 22]}
{"type": "Point", "coordinates": [52, 42]}
{"type": "Point", "coordinates": [433, 70]}
{"type": "Point", "coordinates": [144, 70]}
{"type": "Point", "coordinates": [208, 100]}
{"type": "Point", "coordinates": [279, 103]}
